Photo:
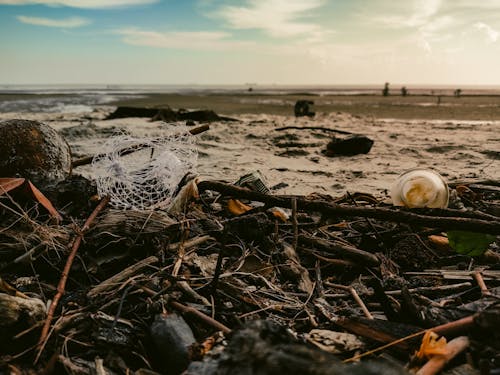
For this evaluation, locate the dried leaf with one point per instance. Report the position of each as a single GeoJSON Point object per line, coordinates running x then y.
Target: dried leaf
{"type": "Point", "coordinates": [236, 207]}
{"type": "Point", "coordinates": [42, 199]}
{"type": "Point", "coordinates": [8, 184]}
{"type": "Point", "coordinates": [431, 346]}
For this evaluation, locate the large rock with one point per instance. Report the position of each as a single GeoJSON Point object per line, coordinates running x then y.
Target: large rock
{"type": "Point", "coordinates": [33, 150]}
{"type": "Point", "coordinates": [351, 145]}
{"type": "Point", "coordinates": [167, 114]}
{"type": "Point", "coordinates": [124, 112]}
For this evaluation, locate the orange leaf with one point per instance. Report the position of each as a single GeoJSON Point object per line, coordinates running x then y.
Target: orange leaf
{"type": "Point", "coordinates": [431, 346]}
{"type": "Point", "coordinates": [8, 184]}
{"type": "Point", "coordinates": [42, 199]}
{"type": "Point", "coordinates": [236, 207]}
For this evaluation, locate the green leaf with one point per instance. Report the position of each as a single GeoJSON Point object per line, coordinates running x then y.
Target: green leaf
{"type": "Point", "coordinates": [469, 243]}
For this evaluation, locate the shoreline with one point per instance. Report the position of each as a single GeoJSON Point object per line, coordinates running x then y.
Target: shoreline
{"type": "Point", "coordinates": [422, 107]}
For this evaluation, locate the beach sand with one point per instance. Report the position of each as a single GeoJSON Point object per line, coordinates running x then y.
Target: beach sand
{"type": "Point", "coordinates": [460, 138]}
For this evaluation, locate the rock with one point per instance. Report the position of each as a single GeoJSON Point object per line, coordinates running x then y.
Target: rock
{"type": "Point", "coordinates": [123, 112]}
{"type": "Point", "coordinates": [33, 150]}
{"type": "Point", "coordinates": [351, 145]}
{"type": "Point", "coordinates": [203, 116]}
{"type": "Point", "coordinates": [267, 348]}
{"type": "Point", "coordinates": [173, 340]}
{"type": "Point", "coordinates": [302, 108]}
{"type": "Point", "coordinates": [167, 114]}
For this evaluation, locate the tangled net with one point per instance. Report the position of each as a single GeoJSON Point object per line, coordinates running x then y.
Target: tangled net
{"type": "Point", "coordinates": [146, 178]}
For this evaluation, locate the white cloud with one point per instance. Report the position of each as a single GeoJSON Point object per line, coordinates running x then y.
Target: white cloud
{"type": "Point", "coordinates": [80, 3]}
{"type": "Point", "coordinates": [50, 22]}
{"type": "Point", "coordinates": [187, 40]}
{"type": "Point", "coordinates": [405, 15]}
{"type": "Point", "coordinates": [491, 33]}
{"type": "Point", "coordinates": [279, 18]}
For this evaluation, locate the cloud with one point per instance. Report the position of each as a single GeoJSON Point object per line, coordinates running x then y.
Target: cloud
{"type": "Point", "coordinates": [491, 33]}
{"type": "Point", "coordinates": [279, 18]}
{"type": "Point", "coordinates": [50, 22]}
{"type": "Point", "coordinates": [406, 16]}
{"type": "Point", "coordinates": [80, 3]}
{"type": "Point", "coordinates": [187, 40]}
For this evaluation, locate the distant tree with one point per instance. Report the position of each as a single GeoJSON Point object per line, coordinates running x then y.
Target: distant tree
{"type": "Point", "coordinates": [385, 91]}
{"type": "Point", "coordinates": [457, 93]}
{"type": "Point", "coordinates": [404, 91]}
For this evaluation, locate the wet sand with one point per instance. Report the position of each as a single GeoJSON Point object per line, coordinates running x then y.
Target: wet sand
{"type": "Point", "coordinates": [460, 138]}
{"type": "Point", "coordinates": [473, 107]}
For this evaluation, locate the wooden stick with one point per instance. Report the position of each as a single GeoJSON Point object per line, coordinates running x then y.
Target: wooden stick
{"type": "Point", "coordinates": [450, 328]}
{"type": "Point", "coordinates": [345, 251]}
{"type": "Point", "coordinates": [482, 285]}
{"type": "Point", "coordinates": [64, 276]}
{"type": "Point", "coordinates": [295, 224]}
{"type": "Point", "coordinates": [88, 159]}
{"type": "Point", "coordinates": [394, 215]}
{"type": "Point", "coordinates": [205, 318]}
{"type": "Point", "coordinates": [438, 362]}
{"type": "Point", "coordinates": [116, 279]}
{"type": "Point", "coordinates": [314, 128]}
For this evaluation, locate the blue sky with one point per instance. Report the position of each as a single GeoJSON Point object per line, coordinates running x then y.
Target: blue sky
{"type": "Point", "coordinates": [249, 41]}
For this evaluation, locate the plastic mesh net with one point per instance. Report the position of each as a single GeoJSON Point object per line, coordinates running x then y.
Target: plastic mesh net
{"type": "Point", "coordinates": [147, 177]}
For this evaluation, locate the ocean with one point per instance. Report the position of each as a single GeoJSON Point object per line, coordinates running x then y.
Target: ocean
{"type": "Point", "coordinates": [84, 98]}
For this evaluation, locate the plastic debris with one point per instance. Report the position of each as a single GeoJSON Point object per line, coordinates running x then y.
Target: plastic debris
{"type": "Point", "coordinates": [420, 188]}
{"type": "Point", "coordinates": [148, 177]}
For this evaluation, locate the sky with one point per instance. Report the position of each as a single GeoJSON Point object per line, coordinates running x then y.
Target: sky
{"type": "Point", "coordinates": [284, 42]}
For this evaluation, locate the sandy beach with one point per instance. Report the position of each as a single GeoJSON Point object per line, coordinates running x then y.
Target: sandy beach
{"type": "Point", "coordinates": [459, 138]}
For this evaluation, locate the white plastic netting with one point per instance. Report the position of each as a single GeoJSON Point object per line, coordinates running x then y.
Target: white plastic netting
{"type": "Point", "coordinates": [146, 178]}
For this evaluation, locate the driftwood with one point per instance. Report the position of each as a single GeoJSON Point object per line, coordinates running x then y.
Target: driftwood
{"type": "Point", "coordinates": [313, 128]}
{"type": "Point", "coordinates": [393, 215]}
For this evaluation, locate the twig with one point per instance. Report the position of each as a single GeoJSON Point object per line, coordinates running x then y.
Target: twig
{"type": "Point", "coordinates": [120, 276]}
{"type": "Point", "coordinates": [295, 224]}
{"type": "Point", "coordinates": [443, 329]}
{"type": "Point", "coordinates": [356, 297]}
{"type": "Point", "coordinates": [438, 218]}
{"type": "Point", "coordinates": [345, 251]}
{"type": "Point", "coordinates": [437, 362]}
{"type": "Point", "coordinates": [205, 318]}
{"type": "Point", "coordinates": [64, 276]}
{"type": "Point", "coordinates": [314, 128]}
{"type": "Point", "coordinates": [480, 281]}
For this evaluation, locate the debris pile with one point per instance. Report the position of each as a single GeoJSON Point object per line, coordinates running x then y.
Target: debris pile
{"type": "Point", "coordinates": [238, 280]}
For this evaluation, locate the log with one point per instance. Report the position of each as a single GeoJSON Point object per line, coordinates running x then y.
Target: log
{"type": "Point", "coordinates": [394, 215]}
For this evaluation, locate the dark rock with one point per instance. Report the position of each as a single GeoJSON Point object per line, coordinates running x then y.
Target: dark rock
{"type": "Point", "coordinates": [167, 114]}
{"type": "Point", "coordinates": [124, 112]}
{"type": "Point", "coordinates": [173, 340]}
{"type": "Point", "coordinates": [302, 108]}
{"type": "Point", "coordinates": [351, 145]}
{"type": "Point", "coordinates": [267, 348]}
{"type": "Point", "coordinates": [33, 150]}
{"type": "Point", "coordinates": [202, 116]}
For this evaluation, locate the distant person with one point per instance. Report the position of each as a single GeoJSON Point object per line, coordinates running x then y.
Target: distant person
{"type": "Point", "coordinates": [385, 91]}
